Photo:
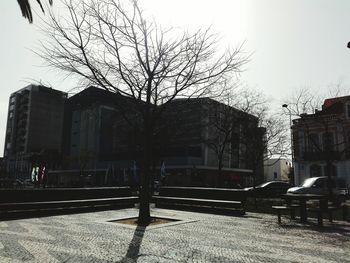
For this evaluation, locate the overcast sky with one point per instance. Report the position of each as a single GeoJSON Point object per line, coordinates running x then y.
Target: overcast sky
{"type": "Point", "coordinates": [295, 43]}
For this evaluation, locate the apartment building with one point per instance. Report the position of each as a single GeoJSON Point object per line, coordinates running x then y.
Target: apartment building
{"type": "Point", "coordinates": [34, 125]}
{"type": "Point", "coordinates": [322, 141]}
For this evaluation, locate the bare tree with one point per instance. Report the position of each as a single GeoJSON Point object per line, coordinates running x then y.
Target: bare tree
{"type": "Point", "coordinates": [26, 9]}
{"type": "Point", "coordinates": [221, 124]}
{"type": "Point", "coordinates": [245, 121]}
{"type": "Point", "coordinates": [115, 47]}
{"type": "Point", "coordinates": [270, 138]}
{"type": "Point", "coordinates": [303, 101]}
{"type": "Point", "coordinates": [307, 100]}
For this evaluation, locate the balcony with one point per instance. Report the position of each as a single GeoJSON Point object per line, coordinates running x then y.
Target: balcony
{"type": "Point", "coordinates": [21, 132]}
{"type": "Point", "coordinates": [321, 156]}
{"type": "Point", "coordinates": [22, 123]}
{"type": "Point", "coordinates": [20, 140]}
{"type": "Point", "coordinates": [23, 116]}
{"type": "Point", "coordinates": [23, 108]}
{"type": "Point", "coordinates": [23, 101]}
{"type": "Point", "coordinates": [20, 148]}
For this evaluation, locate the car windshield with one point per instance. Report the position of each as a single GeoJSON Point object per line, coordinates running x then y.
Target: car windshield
{"type": "Point", "coordinates": [264, 184]}
{"type": "Point", "coordinates": [308, 182]}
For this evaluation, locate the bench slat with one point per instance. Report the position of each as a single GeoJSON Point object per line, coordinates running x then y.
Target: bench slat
{"type": "Point", "coordinates": [196, 201]}
{"type": "Point", "coordinates": [65, 203]}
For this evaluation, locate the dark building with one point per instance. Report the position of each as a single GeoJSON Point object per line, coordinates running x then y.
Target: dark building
{"type": "Point", "coordinates": [100, 142]}
{"type": "Point", "coordinates": [192, 133]}
{"type": "Point", "coordinates": [104, 136]}
{"type": "Point", "coordinates": [96, 145]}
{"type": "Point", "coordinates": [34, 126]}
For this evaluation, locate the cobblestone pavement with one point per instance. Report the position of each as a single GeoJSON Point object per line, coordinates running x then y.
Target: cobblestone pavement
{"type": "Point", "coordinates": [88, 237]}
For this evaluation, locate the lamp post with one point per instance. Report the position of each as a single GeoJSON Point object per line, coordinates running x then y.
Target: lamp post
{"type": "Point", "coordinates": [291, 179]}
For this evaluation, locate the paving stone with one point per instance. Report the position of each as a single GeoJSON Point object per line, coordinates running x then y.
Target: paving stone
{"type": "Point", "coordinates": [89, 237]}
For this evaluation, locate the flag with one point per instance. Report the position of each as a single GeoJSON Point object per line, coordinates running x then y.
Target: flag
{"type": "Point", "coordinates": [33, 174]}
{"type": "Point", "coordinates": [36, 174]}
{"type": "Point", "coordinates": [42, 175]}
{"type": "Point", "coordinates": [162, 170]}
{"type": "Point", "coordinates": [134, 171]}
{"type": "Point", "coordinates": [125, 176]}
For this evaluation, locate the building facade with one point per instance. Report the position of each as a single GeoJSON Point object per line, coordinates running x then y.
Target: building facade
{"type": "Point", "coordinates": [322, 141]}
{"type": "Point", "coordinates": [103, 134]}
{"type": "Point", "coordinates": [97, 135]}
{"type": "Point", "coordinates": [277, 169]}
{"type": "Point", "coordinates": [204, 132]}
{"type": "Point", "coordinates": [34, 126]}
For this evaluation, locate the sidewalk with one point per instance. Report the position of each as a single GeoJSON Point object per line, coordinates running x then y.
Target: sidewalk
{"type": "Point", "coordinates": [88, 237]}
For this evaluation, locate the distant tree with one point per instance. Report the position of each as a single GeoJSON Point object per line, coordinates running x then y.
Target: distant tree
{"type": "Point", "coordinates": [270, 137]}
{"type": "Point", "coordinates": [307, 100]}
{"type": "Point", "coordinates": [27, 10]}
{"type": "Point", "coordinates": [244, 121]}
{"type": "Point", "coordinates": [115, 47]}
{"type": "Point", "coordinates": [221, 123]}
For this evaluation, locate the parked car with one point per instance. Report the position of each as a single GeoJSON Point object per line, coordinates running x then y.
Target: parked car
{"type": "Point", "coordinates": [319, 185]}
{"type": "Point", "coordinates": [269, 189]}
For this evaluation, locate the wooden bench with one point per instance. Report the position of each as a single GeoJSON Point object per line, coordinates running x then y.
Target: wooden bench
{"type": "Point", "coordinates": [290, 208]}
{"type": "Point", "coordinates": [202, 197]}
{"type": "Point", "coordinates": [345, 207]}
{"type": "Point", "coordinates": [329, 211]}
{"type": "Point", "coordinates": [39, 200]}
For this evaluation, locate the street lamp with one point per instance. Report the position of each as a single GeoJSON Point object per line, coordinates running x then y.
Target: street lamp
{"type": "Point", "coordinates": [291, 141]}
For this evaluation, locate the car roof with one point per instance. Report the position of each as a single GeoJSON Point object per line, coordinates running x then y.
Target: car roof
{"type": "Point", "coordinates": [326, 177]}
{"type": "Point", "coordinates": [271, 182]}
{"type": "Point", "coordinates": [338, 180]}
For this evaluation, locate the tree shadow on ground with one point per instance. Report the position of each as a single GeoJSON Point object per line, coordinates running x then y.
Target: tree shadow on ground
{"type": "Point", "coordinates": [134, 247]}
{"type": "Point", "coordinates": [340, 229]}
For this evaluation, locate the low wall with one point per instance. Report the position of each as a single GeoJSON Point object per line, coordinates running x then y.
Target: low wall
{"type": "Point", "coordinates": [60, 194]}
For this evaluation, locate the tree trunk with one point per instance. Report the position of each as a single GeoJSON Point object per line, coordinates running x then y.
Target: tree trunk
{"type": "Point", "coordinates": [144, 211]}
{"type": "Point", "coordinates": [220, 179]}
{"type": "Point", "coordinates": [254, 192]}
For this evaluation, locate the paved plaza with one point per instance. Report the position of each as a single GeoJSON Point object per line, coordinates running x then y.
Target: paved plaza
{"type": "Point", "coordinates": [200, 237]}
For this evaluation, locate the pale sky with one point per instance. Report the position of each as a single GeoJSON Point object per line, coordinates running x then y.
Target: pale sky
{"type": "Point", "coordinates": [295, 43]}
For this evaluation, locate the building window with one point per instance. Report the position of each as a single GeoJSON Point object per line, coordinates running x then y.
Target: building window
{"type": "Point", "coordinates": [333, 170]}
{"type": "Point", "coordinates": [314, 142]}
{"type": "Point", "coordinates": [348, 110]}
{"type": "Point", "coordinates": [274, 175]}
{"type": "Point", "coordinates": [315, 170]}
{"type": "Point", "coordinates": [328, 141]}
